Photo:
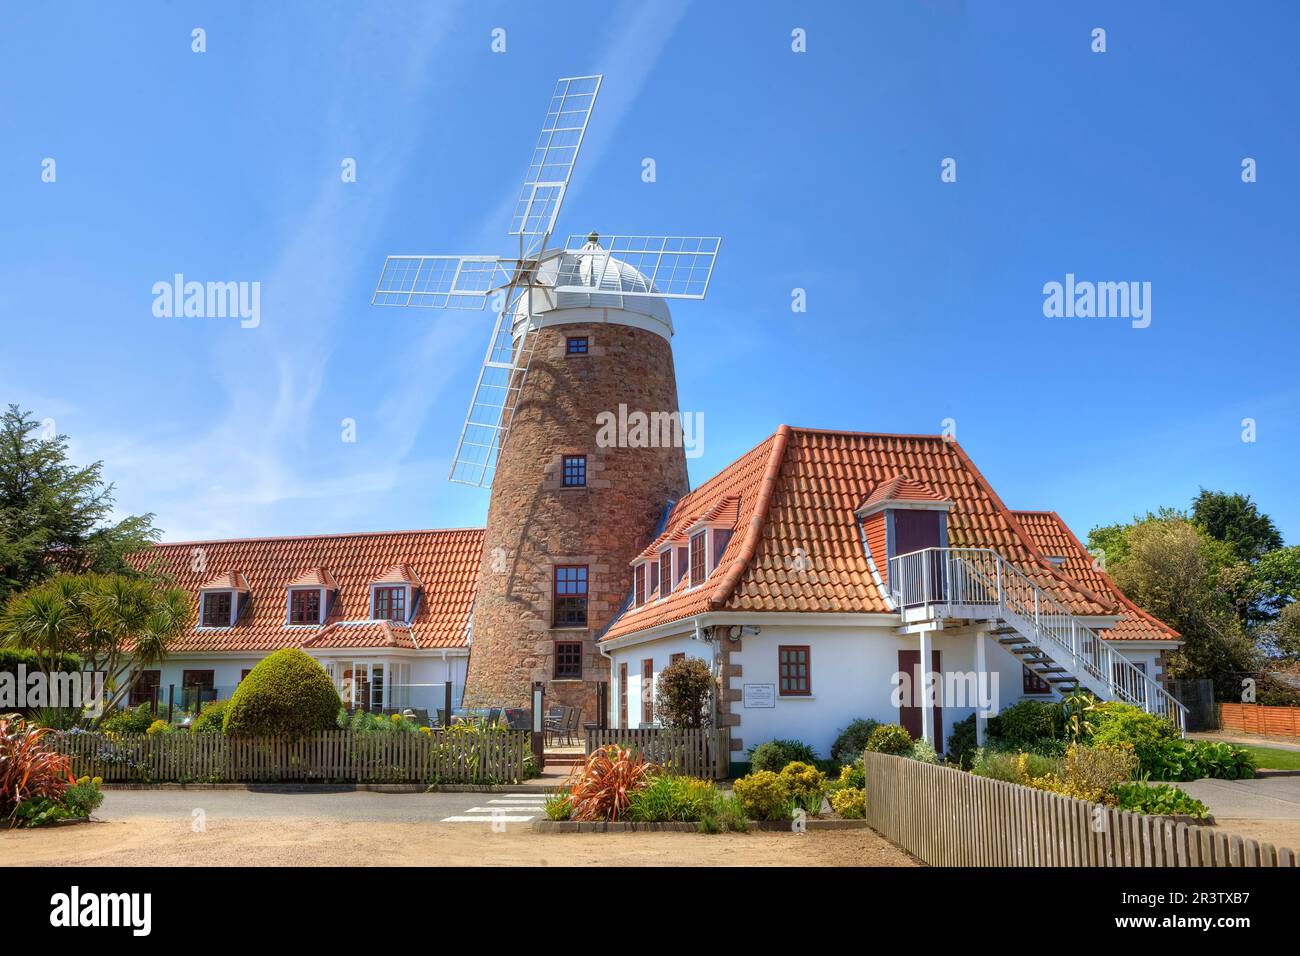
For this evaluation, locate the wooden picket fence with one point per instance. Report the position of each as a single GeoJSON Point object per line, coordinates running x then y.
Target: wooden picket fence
{"type": "Point", "coordinates": [1260, 719]}
{"type": "Point", "coordinates": [338, 756]}
{"type": "Point", "coordinates": [695, 753]}
{"type": "Point", "coordinates": [948, 817]}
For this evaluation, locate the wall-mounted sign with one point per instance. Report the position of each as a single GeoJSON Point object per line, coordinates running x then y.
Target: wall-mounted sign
{"type": "Point", "coordinates": [760, 695]}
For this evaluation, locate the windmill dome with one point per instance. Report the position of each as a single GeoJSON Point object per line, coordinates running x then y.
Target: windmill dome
{"type": "Point", "coordinates": [608, 277]}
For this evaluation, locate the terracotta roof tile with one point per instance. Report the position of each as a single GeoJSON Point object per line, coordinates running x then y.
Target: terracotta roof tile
{"type": "Point", "coordinates": [446, 562]}
{"type": "Point", "coordinates": [1055, 539]}
{"type": "Point", "coordinates": [801, 550]}
{"type": "Point", "coordinates": [901, 488]}
{"type": "Point", "coordinates": [226, 581]}
{"type": "Point", "coordinates": [315, 578]}
{"type": "Point", "coordinates": [400, 573]}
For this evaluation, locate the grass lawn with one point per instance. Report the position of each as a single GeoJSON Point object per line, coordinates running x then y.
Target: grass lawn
{"type": "Point", "coordinates": [1270, 758]}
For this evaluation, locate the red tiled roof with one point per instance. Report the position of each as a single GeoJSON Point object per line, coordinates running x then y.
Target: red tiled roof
{"type": "Point", "coordinates": [445, 561]}
{"type": "Point", "coordinates": [901, 488]}
{"type": "Point", "coordinates": [315, 578]}
{"type": "Point", "coordinates": [399, 573]}
{"type": "Point", "coordinates": [800, 549]}
{"type": "Point", "coordinates": [226, 581]}
{"type": "Point", "coordinates": [1055, 539]}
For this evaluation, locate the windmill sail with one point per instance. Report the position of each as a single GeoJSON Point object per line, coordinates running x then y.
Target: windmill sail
{"type": "Point", "coordinates": [662, 267]}
{"type": "Point", "coordinates": [437, 282]}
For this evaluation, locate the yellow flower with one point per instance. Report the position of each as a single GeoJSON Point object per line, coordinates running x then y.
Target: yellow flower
{"type": "Point", "coordinates": [83, 780]}
{"type": "Point", "coordinates": [98, 781]}
{"type": "Point", "coordinates": [396, 718]}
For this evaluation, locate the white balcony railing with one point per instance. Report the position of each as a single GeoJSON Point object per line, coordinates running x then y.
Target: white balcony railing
{"type": "Point", "coordinates": [979, 583]}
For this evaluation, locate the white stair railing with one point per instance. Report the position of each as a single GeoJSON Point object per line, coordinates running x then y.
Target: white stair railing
{"type": "Point", "coordinates": [979, 582]}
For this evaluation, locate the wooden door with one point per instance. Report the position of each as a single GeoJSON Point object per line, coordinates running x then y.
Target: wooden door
{"type": "Point", "coordinates": [909, 714]}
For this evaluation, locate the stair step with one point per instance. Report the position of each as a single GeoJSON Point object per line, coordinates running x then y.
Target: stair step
{"type": "Point", "coordinates": [1061, 680]}
{"type": "Point", "coordinates": [1013, 640]}
{"type": "Point", "coordinates": [1051, 670]}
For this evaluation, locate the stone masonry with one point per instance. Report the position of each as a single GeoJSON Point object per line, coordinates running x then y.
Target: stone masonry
{"type": "Point", "coordinates": [534, 523]}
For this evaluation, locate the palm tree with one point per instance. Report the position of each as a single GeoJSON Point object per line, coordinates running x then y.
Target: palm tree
{"type": "Point", "coordinates": [113, 623]}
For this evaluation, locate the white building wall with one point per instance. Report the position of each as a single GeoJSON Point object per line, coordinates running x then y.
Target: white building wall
{"type": "Point", "coordinates": [660, 652]}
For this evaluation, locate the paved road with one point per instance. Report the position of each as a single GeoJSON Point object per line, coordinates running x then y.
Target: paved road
{"type": "Point", "coordinates": [342, 806]}
{"type": "Point", "coordinates": [1264, 798]}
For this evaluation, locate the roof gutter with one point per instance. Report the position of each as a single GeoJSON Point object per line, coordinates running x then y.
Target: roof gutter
{"type": "Point", "coordinates": [749, 546]}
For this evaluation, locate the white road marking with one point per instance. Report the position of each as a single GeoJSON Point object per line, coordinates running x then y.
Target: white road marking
{"type": "Point", "coordinates": [488, 819]}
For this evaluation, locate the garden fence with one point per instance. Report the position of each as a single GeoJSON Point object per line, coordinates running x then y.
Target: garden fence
{"type": "Point", "coordinates": [695, 753]}
{"type": "Point", "coordinates": [333, 756]}
{"type": "Point", "coordinates": [948, 817]}
{"type": "Point", "coordinates": [1260, 719]}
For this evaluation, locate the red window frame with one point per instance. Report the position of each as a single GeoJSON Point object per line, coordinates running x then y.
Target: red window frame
{"type": "Point", "coordinates": [309, 611]}
{"type": "Point", "coordinates": [674, 658]}
{"type": "Point", "coordinates": [665, 573]}
{"type": "Point", "coordinates": [390, 603]}
{"type": "Point", "coordinates": [647, 690]}
{"type": "Point", "coordinates": [143, 686]}
{"type": "Point", "coordinates": [568, 660]}
{"type": "Point", "coordinates": [221, 599]}
{"type": "Point", "coordinates": [622, 696]}
{"type": "Point", "coordinates": [794, 670]}
{"type": "Point", "coordinates": [697, 557]}
{"type": "Point", "coordinates": [682, 562]}
{"type": "Point", "coordinates": [569, 595]}
{"type": "Point", "coordinates": [1031, 683]}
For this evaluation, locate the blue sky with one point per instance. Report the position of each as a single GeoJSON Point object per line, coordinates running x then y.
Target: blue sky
{"type": "Point", "coordinates": [820, 169]}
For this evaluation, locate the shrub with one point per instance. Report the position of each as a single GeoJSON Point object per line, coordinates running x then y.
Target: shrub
{"type": "Point", "coordinates": [558, 806]}
{"type": "Point", "coordinates": [804, 785]}
{"type": "Point", "coordinates": [133, 721]}
{"type": "Point", "coordinates": [1026, 722]}
{"type": "Point", "coordinates": [961, 743]}
{"type": "Point", "coordinates": [852, 775]}
{"type": "Point", "coordinates": [83, 797]}
{"type": "Point", "coordinates": [850, 803]}
{"type": "Point", "coordinates": [1124, 723]}
{"type": "Point", "coordinates": [29, 769]}
{"type": "Point", "coordinates": [775, 754]}
{"type": "Point", "coordinates": [211, 720]}
{"type": "Point", "coordinates": [684, 694]}
{"type": "Point", "coordinates": [763, 796]}
{"type": "Point", "coordinates": [605, 784]}
{"type": "Point", "coordinates": [852, 740]}
{"type": "Point", "coordinates": [890, 739]}
{"type": "Point", "coordinates": [288, 693]}
{"type": "Point", "coordinates": [1160, 799]}
{"type": "Point", "coordinates": [671, 798]}
{"type": "Point", "coordinates": [1223, 761]}
{"type": "Point", "coordinates": [363, 722]}
{"type": "Point", "coordinates": [1013, 767]}
{"type": "Point", "coordinates": [1090, 773]}
{"type": "Point", "coordinates": [922, 751]}
{"type": "Point", "coordinates": [159, 727]}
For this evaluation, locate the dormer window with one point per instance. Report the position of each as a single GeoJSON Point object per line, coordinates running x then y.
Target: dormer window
{"type": "Point", "coordinates": [639, 584]}
{"type": "Point", "coordinates": [665, 572]}
{"type": "Point", "coordinates": [389, 603]}
{"type": "Point", "coordinates": [1055, 561]}
{"type": "Point", "coordinates": [697, 544]}
{"type": "Point", "coordinates": [304, 606]}
{"type": "Point", "coordinates": [218, 609]}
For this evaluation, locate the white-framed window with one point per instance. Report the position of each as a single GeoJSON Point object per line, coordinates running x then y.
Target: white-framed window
{"type": "Point", "coordinates": [217, 608]}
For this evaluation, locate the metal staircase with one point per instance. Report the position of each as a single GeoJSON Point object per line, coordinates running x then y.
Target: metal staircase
{"type": "Point", "coordinates": [978, 584]}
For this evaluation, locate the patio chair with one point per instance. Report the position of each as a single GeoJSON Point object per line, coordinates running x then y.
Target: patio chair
{"type": "Point", "coordinates": [420, 716]}
{"type": "Point", "coordinates": [493, 716]}
{"type": "Point", "coordinates": [572, 721]}
{"type": "Point", "coordinates": [519, 718]}
{"type": "Point", "coordinates": [442, 719]}
{"type": "Point", "coordinates": [552, 723]}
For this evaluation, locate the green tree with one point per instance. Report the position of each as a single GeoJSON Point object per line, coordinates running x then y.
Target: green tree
{"type": "Point", "coordinates": [1172, 569]}
{"type": "Point", "coordinates": [113, 623]}
{"type": "Point", "coordinates": [1236, 520]}
{"type": "Point", "coordinates": [54, 516]}
{"type": "Point", "coordinates": [684, 694]}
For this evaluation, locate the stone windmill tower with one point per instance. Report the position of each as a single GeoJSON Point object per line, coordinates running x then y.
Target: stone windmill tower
{"type": "Point", "coordinates": [582, 336]}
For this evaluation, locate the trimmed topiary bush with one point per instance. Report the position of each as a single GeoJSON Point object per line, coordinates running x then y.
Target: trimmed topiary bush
{"type": "Point", "coordinates": [890, 739]}
{"type": "Point", "coordinates": [287, 694]}
{"type": "Point", "coordinates": [852, 740]}
{"type": "Point", "coordinates": [775, 754]}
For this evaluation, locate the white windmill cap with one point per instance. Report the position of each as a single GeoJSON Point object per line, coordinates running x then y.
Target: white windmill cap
{"type": "Point", "coordinates": [607, 276]}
